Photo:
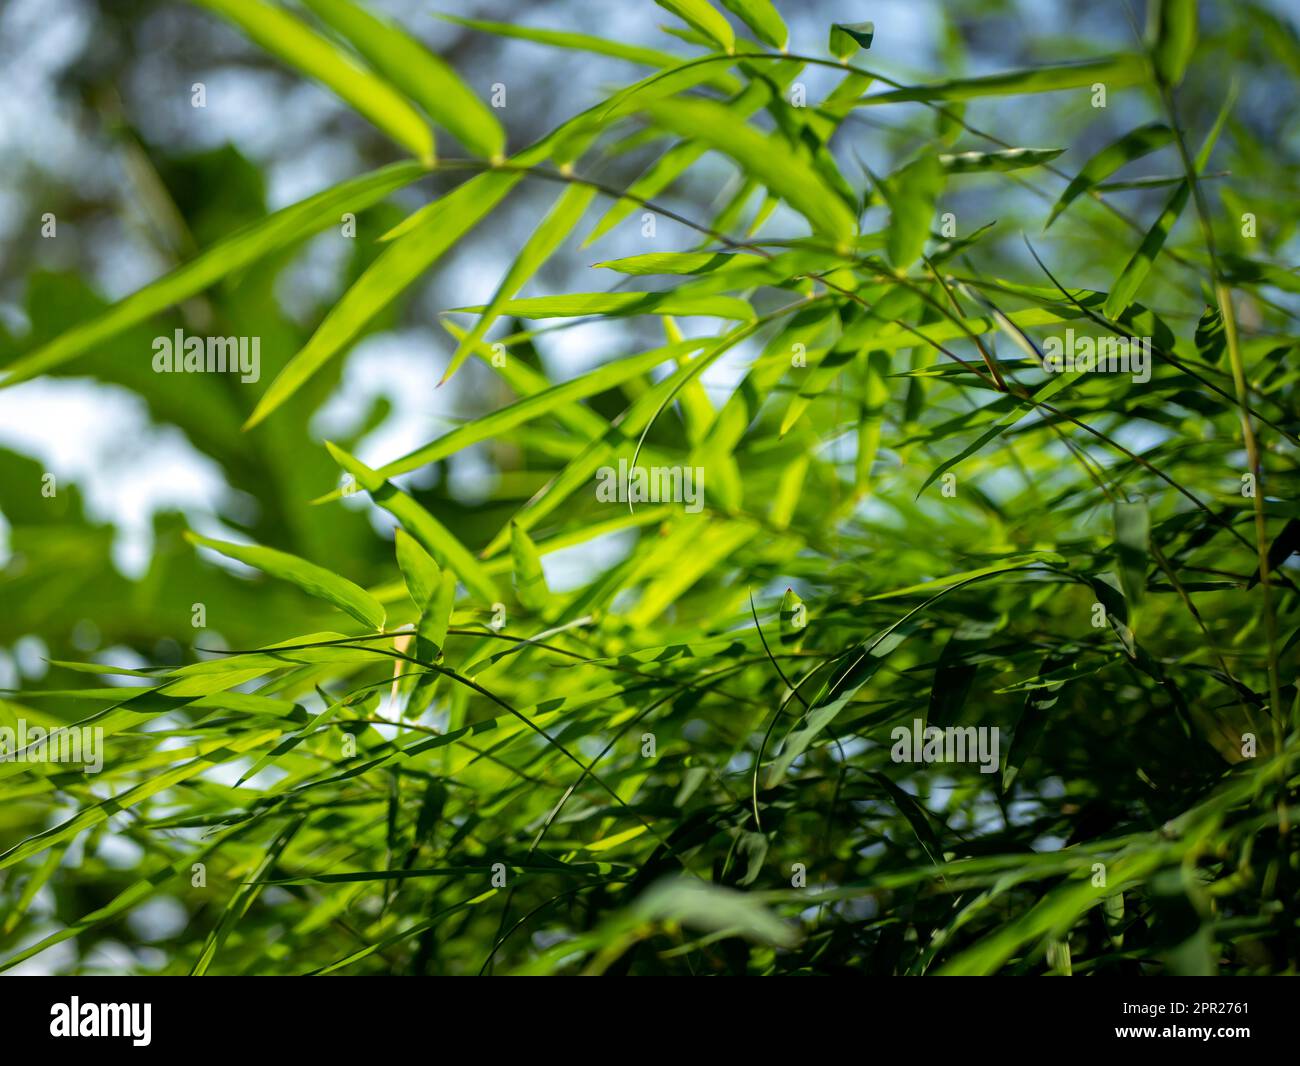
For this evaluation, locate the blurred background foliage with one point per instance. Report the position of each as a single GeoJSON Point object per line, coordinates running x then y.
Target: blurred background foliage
{"type": "Point", "coordinates": [1121, 745]}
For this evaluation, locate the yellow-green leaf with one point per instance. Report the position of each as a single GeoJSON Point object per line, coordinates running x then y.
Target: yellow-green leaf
{"type": "Point", "coordinates": [283, 35]}
{"type": "Point", "coordinates": [703, 16]}
{"type": "Point", "coordinates": [433, 536]}
{"type": "Point", "coordinates": [438, 227]}
{"type": "Point", "coordinates": [413, 69]}
{"type": "Point", "coordinates": [241, 248]}
{"type": "Point", "coordinates": [1133, 145]}
{"type": "Point", "coordinates": [761, 17]}
{"type": "Point", "coordinates": [765, 158]}
{"type": "Point", "coordinates": [312, 579]}
{"type": "Point", "coordinates": [540, 247]}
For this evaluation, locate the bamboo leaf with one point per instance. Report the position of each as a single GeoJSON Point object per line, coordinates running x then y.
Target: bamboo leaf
{"type": "Point", "coordinates": [847, 37]}
{"type": "Point", "coordinates": [1174, 24]}
{"type": "Point", "coordinates": [1136, 269]}
{"type": "Point", "coordinates": [431, 534]}
{"type": "Point", "coordinates": [557, 225]}
{"type": "Point", "coordinates": [254, 242]}
{"type": "Point", "coordinates": [1116, 72]}
{"type": "Point", "coordinates": [303, 48]}
{"type": "Point", "coordinates": [704, 17]}
{"type": "Point", "coordinates": [912, 193]}
{"type": "Point", "coordinates": [529, 580]}
{"type": "Point", "coordinates": [1006, 159]}
{"type": "Point", "coordinates": [761, 156]}
{"type": "Point", "coordinates": [417, 72]}
{"type": "Point", "coordinates": [1133, 145]}
{"type": "Point", "coordinates": [617, 304]}
{"type": "Point", "coordinates": [761, 17]}
{"type": "Point", "coordinates": [440, 225]}
{"type": "Point", "coordinates": [312, 579]}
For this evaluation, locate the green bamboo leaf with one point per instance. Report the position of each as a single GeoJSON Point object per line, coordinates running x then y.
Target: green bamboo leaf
{"type": "Point", "coordinates": [761, 17]}
{"type": "Point", "coordinates": [130, 897]}
{"type": "Point", "coordinates": [439, 226]}
{"type": "Point", "coordinates": [763, 157]}
{"type": "Point", "coordinates": [1172, 26]}
{"type": "Point", "coordinates": [673, 164]}
{"type": "Point", "coordinates": [496, 424]}
{"type": "Point", "coordinates": [895, 303]}
{"type": "Point", "coordinates": [245, 246]}
{"type": "Point", "coordinates": [847, 37]}
{"type": "Point", "coordinates": [794, 617]}
{"type": "Point", "coordinates": [211, 753]}
{"type": "Point", "coordinates": [621, 304]}
{"type": "Point", "coordinates": [1210, 338]}
{"type": "Point", "coordinates": [1135, 271]}
{"type": "Point", "coordinates": [700, 550]}
{"type": "Point", "coordinates": [433, 536]}
{"type": "Point", "coordinates": [856, 669]}
{"type": "Point", "coordinates": [1116, 72]}
{"type": "Point", "coordinates": [578, 42]}
{"type": "Point", "coordinates": [421, 572]}
{"type": "Point", "coordinates": [529, 579]}
{"type": "Point", "coordinates": [680, 262]}
{"type": "Point", "coordinates": [704, 17]}
{"type": "Point", "coordinates": [1006, 159]}
{"type": "Point", "coordinates": [1132, 534]}
{"type": "Point", "coordinates": [912, 193]}
{"type": "Point", "coordinates": [557, 225]}
{"type": "Point", "coordinates": [525, 381]}
{"type": "Point", "coordinates": [1133, 145]}
{"type": "Point", "coordinates": [712, 908]}
{"type": "Point", "coordinates": [281, 34]}
{"type": "Point", "coordinates": [413, 69]}
{"type": "Point", "coordinates": [309, 577]}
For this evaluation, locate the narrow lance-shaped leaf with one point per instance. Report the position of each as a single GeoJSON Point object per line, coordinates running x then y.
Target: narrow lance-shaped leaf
{"type": "Point", "coordinates": [578, 42]}
{"type": "Point", "coordinates": [1007, 159]}
{"type": "Point", "coordinates": [281, 34]}
{"type": "Point", "coordinates": [540, 247]}
{"type": "Point", "coordinates": [847, 37]}
{"type": "Point", "coordinates": [420, 571]}
{"type": "Point", "coordinates": [413, 69]}
{"type": "Point", "coordinates": [309, 577]}
{"type": "Point", "coordinates": [762, 156]}
{"type": "Point", "coordinates": [673, 163]}
{"type": "Point", "coordinates": [794, 618]}
{"type": "Point", "coordinates": [439, 226]}
{"type": "Point", "coordinates": [433, 536]}
{"type": "Point", "coordinates": [612, 304]}
{"type": "Point", "coordinates": [1132, 534]}
{"type": "Point", "coordinates": [1137, 268]}
{"type": "Point", "coordinates": [912, 193]}
{"type": "Point", "coordinates": [434, 592]}
{"type": "Point", "coordinates": [245, 246]}
{"type": "Point", "coordinates": [529, 579]}
{"type": "Point", "coordinates": [703, 16]}
{"type": "Point", "coordinates": [498, 422]}
{"type": "Point", "coordinates": [1210, 338]}
{"type": "Point", "coordinates": [1173, 24]}
{"type": "Point", "coordinates": [761, 17]}
{"type": "Point", "coordinates": [1032, 723]}
{"type": "Point", "coordinates": [1133, 145]}
{"type": "Point", "coordinates": [1116, 72]}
